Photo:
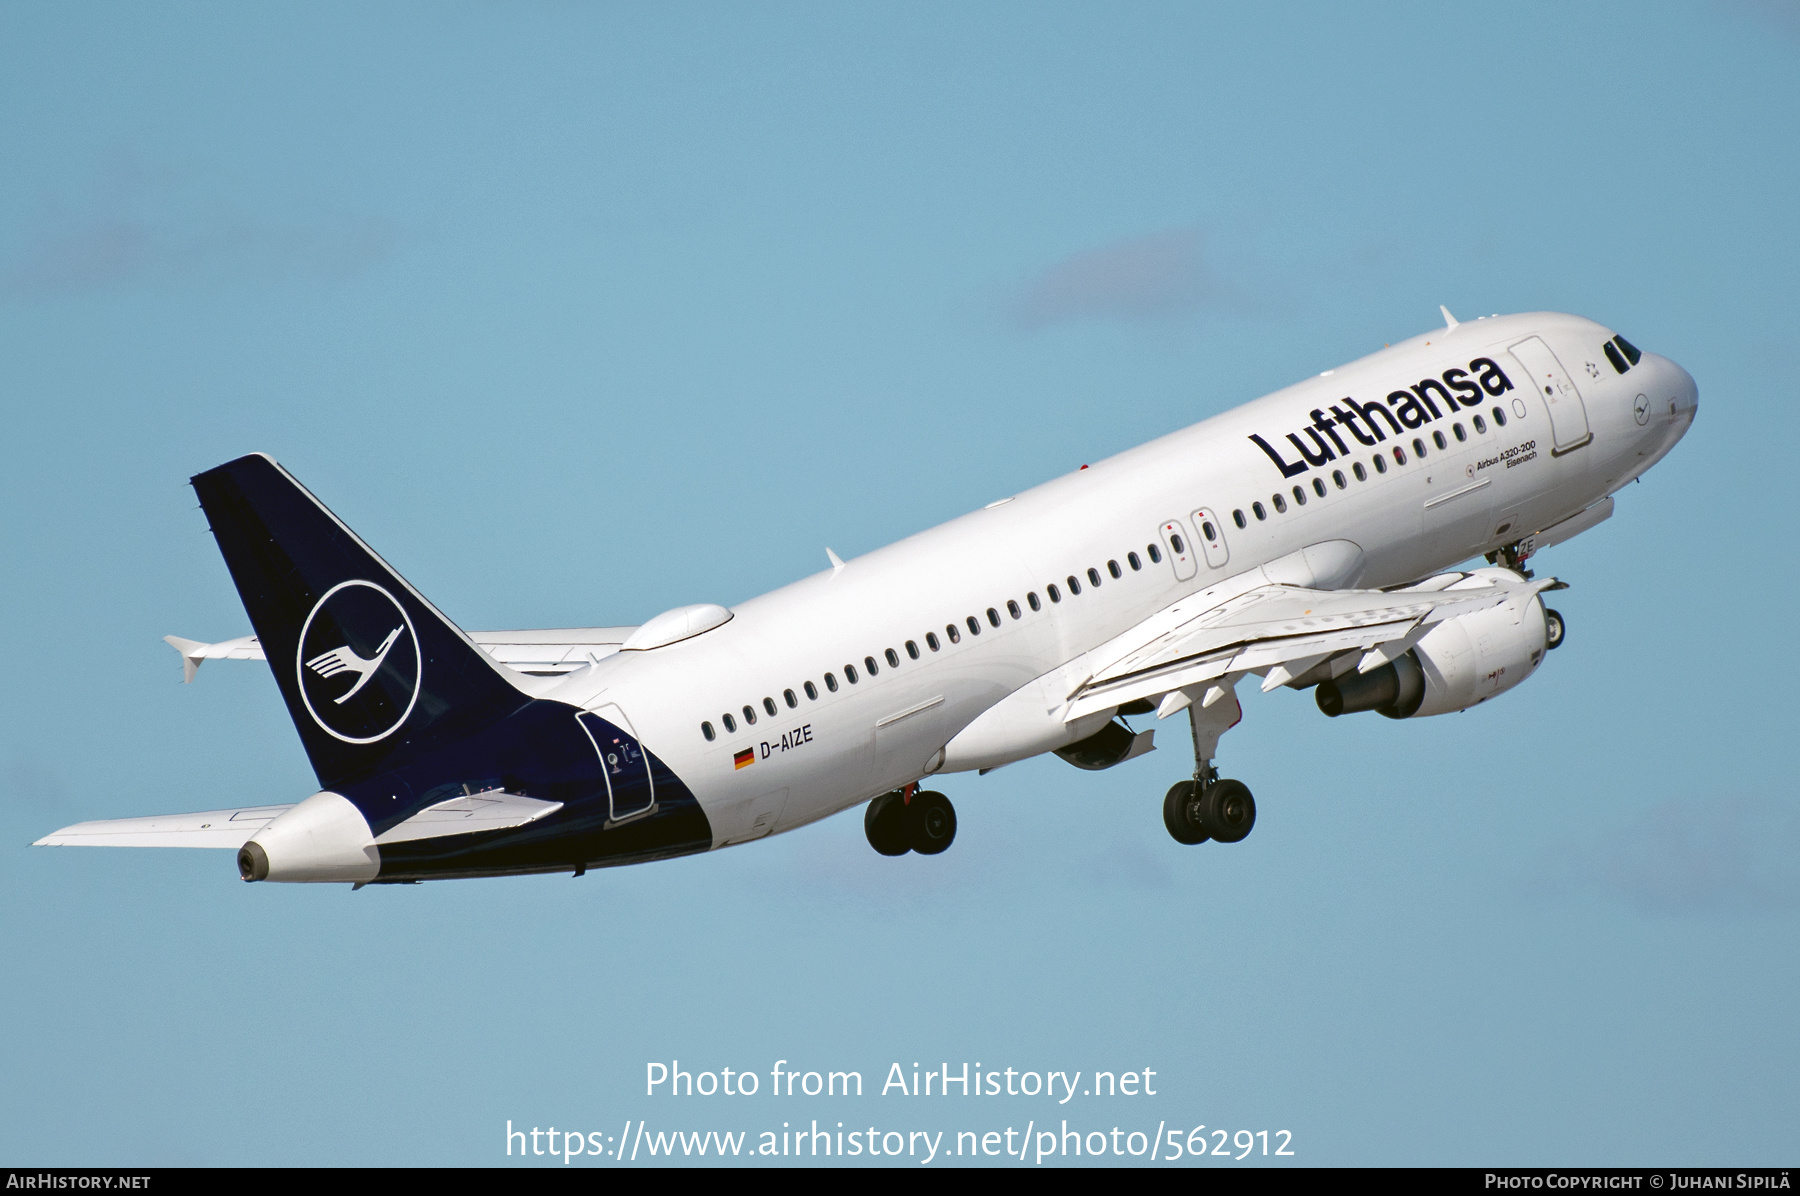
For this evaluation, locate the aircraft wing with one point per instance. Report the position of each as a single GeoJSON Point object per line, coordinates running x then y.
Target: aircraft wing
{"type": "Point", "coordinates": [1280, 631]}
{"type": "Point", "coordinates": [545, 653]}
{"type": "Point", "coordinates": [209, 828]}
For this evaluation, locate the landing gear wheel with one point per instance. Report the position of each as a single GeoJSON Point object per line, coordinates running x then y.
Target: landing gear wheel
{"type": "Point", "coordinates": [884, 822]}
{"type": "Point", "coordinates": [1179, 808]}
{"type": "Point", "coordinates": [931, 822]}
{"type": "Point", "coordinates": [1227, 810]}
{"type": "Point", "coordinates": [1554, 629]}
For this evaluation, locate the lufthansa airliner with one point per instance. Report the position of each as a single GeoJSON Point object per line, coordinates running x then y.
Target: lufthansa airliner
{"type": "Point", "coordinates": [1364, 533]}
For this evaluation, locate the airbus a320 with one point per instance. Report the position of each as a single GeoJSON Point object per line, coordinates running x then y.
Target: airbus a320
{"type": "Point", "coordinates": [1364, 533]}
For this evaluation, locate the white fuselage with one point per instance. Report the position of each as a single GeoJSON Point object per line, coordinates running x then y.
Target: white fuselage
{"type": "Point", "coordinates": [842, 747]}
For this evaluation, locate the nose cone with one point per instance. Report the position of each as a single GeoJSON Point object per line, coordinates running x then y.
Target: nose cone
{"type": "Point", "coordinates": [1665, 408]}
{"type": "Point", "coordinates": [1684, 393]}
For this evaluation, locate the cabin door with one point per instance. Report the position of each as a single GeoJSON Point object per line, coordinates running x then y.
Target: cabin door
{"type": "Point", "coordinates": [629, 786]}
{"type": "Point", "coordinates": [1568, 416]}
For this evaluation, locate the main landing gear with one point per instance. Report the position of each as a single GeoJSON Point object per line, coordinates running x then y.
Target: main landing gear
{"type": "Point", "coordinates": [1222, 809]}
{"type": "Point", "coordinates": [910, 819]}
{"type": "Point", "coordinates": [1209, 807]}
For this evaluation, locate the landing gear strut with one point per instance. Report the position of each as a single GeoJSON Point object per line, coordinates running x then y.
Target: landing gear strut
{"type": "Point", "coordinates": [1209, 807]}
{"type": "Point", "coordinates": [910, 819]}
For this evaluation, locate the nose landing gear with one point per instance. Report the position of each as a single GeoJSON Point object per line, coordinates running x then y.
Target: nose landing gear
{"type": "Point", "coordinates": [1209, 807]}
{"type": "Point", "coordinates": [910, 819]}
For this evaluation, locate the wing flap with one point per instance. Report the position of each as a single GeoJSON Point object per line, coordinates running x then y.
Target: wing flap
{"type": "Point", "coordinates": [207, 828]}
{"type": "Point", "coordinates": [1269, 627]}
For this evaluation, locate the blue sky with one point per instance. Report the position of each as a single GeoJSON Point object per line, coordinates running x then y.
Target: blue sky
{"type": "Point", "coordinates": [578, 313]}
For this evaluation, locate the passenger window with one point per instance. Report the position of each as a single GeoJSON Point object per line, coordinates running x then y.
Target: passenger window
{"type": "Point", "coordinates": [1012, 608]}
{"type": "Point", "coordinates": [1155, 554]}
{"type": "Point", "coordinates": [1131, 558]}
{"type": "Point", "coordinates": [1613, 355]}
{"type": "Point", "coordinates": [1237, 517]}
{"type": "Point", "coordinates": [931, 640]}
{"type": "Point", "coordinates": [1280, 504]}
{"type": "Point", "coordinates": [1055, 594]}
{"type": "Point", "coordinates": [1399, 455]}
{"type": "Point", "coordinates": [1256, 509]}
{"type": "Point", "coordinates": [1499, 418]}
{"type": "Point", "coordinates": [1319, 485]}
{"type": "Point", "coordinates": [1356, 467]}
{"type": "Point", "coordinates": [1381, 463]}
{"type": "Point", "coordinates": [1094, 577]}
{"type": "Point", "coordinates": [893, 658]}
{"type": "Point", "coordinates": [1074, 586]}
{"type": "Point", "coordinates": [749, 716]}
{"type": "Point", "coordinates": [706, 730]}
{"type": "Point", "coordinates": [993, 616]}
{"type": "Point", "coordinates": [1631, 351]}
{"type": "Point", "coordinates": [1337, 479]}
{"type": "Point", "coordinates": [1480, 424]}
{"type": "Point", "coordinates": [812, 691]}
{"type": "Point", "coordinates": [787, 695]}
{"type": "Point", "coordinates": [769, 705]}
{"type": "Point", "coordinates": [850, 673]}
{"type": "Point", "coordinates": [974, 627]}
{"type": "Point", "coordinates": [1460, 433]}
{"type": "Point", "coordinates": [1418, 448]}
{"type": "Point", "coordinates": [1437, 438]}
{"type": "Point", "coordinates": [1207, 529]}
{"type": "Point", "coordinates": [869, 663]}
{"type": "Point", "coordinates": [830, 682]}
{"type": "Point", "coordinates": [912, 649]}
{"type": "Point", "coordinates": [951, 631]}
{"type": "Point", "coordinates": [1299, 497]}
{"type": "Point", "coordinates": [1031, 600]}
{"type": "Point", "coordinates": [1176, 544]}
{"type": "Point", "coordinates": [1112, 567]}
{"type": "Point", "coordinates": [730, 723]}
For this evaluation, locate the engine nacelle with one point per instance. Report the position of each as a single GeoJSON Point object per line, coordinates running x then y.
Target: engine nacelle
{"type": "Point", "coordinates": [1461, 663]}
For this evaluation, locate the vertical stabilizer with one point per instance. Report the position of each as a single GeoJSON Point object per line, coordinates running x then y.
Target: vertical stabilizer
{"type": "Point", "coordinates": [366, 665]}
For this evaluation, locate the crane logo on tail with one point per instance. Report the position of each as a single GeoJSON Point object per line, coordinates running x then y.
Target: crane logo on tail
{"type": "Point", "coordinates": [358, 663]}
{"type": "Point", "coordinates": [345, 660]}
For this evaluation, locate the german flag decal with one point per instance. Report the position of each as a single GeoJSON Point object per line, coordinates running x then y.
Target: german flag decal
{"type": "Point", "coordinates": [745, 758]}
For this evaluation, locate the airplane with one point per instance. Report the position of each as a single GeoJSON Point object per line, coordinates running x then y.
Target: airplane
{"type": "Point", "coordinates": [1326, 536]}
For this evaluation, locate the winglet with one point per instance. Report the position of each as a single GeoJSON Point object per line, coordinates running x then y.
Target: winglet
{"type": "Point", "coordinates": [837, 565]}
{"type": "Point", "coordinates": [1450, 321]}
{"type": "Point", "coordinates": [190, 655]}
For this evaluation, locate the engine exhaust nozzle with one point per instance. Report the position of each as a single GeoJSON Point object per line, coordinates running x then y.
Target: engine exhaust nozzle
{"type": "Point", "coordinates": [1395, 689]}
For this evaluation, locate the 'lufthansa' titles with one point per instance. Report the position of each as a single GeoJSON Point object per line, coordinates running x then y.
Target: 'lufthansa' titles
{"type": "Point", "coordinates": [1403, 410]}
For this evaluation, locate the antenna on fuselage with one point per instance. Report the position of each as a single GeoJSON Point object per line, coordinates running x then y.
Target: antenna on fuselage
{"type": "Point", "coordinates": [1449, 320]}
{"type": "Point", "coordinates": [837, 566]}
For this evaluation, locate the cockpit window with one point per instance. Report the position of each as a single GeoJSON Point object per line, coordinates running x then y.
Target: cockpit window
{"type": "Point", "coordinates": [1632, 353]}
{"type": "Point", "coordinates": [1617, 358]}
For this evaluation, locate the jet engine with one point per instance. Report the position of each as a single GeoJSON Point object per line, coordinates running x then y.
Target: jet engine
{"type": "Point", "coordinates": [1461, 663]}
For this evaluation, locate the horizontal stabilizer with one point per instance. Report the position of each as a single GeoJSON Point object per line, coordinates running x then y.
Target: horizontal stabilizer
{"type": "Point", "coordinates": [244, 647]}
{"type": "Point", "coordinates": [549, 652]}
{"type": "Point", "coordinates": [208, 828]}
{"type": "Point", "coordinates": [494, 810]}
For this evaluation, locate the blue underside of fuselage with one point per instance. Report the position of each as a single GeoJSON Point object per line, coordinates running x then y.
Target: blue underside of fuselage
{"type": "Point", "coordinates": [539, 751]}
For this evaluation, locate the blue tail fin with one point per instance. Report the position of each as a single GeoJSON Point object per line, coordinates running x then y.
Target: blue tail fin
{"type": "Point", "coordinates": [367, 666]}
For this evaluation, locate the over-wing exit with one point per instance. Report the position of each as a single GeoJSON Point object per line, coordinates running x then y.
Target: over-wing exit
{"type": "Point", "coordinates": [1364, 534]}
